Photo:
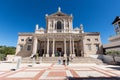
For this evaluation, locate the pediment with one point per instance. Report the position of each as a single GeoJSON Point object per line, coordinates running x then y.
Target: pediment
{"type": "Point", "coordinates": [59, 14]}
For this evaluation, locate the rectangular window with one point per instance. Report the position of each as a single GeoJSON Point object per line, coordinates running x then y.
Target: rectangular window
{"type": "Point", "coordinates": [97, 47]}
{"type": "Point", "coordinates": [22, 39]}
{"type": "Point", "coordinates": [21, 47]}
{"type": "Point", "coordinates": [28, 47]}
{"type": "Point", "coordinates": [29, 40]}
{"type": "Point", "coordinates": [89, 47]}
{"type": "Point", "coordinates": [96, 39]}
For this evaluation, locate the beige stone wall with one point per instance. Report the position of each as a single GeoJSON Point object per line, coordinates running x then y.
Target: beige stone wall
{"type": "Point", "coordinates": [115, 38]}
{"type": "Point", "coordinates": [114, 43]}
{"type": "Point", "coordinates": [89, 39]}
{"type": "Point", "coordinates": [24, 52]}
{"type": "Point", "coordinates": [93, 43]}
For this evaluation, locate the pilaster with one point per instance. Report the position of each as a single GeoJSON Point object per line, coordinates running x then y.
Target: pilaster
{"type": "Point", "coordinates": [73, 54]}
{"type": "Point", "coordinates": [47, 55]}
{"type": "Point", "coordinates": [70, 47]}
{"type": "Point", "coordinates": [64, 28]}
{"type": "Point", "coordinates": [53, 52]}
{"type": "Point", "coordinates": [83, 51]}
{"type": "Point", "coordinates": [34, 46]}
{"type": "Point", "coordinates": [64, 47]}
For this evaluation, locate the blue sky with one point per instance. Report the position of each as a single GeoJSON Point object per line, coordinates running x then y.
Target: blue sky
{"type": "Point", "coordinates": [22, 16]}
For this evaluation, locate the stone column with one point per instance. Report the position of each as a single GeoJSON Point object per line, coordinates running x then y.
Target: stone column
{"type": "Point", "coordinates": [64, 47]}
{"type": "Point", "coordinates": [82, 51]}
{"type": "Point", "coordinates": [47, 47]}
{"type": "Point", "coordinates": [44, 48]}
{"type": "Point", "coordinates": [70, 47]}
{"type": "Point", "coordinates": [73, 55]}
{"type": "Point", "coordinates": [34, 46]}
{"type": "Point", "coordinates": [53, 52]}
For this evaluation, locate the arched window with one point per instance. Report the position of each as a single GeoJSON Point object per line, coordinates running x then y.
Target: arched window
{"type": "Point", "coordinates": [59, 26]}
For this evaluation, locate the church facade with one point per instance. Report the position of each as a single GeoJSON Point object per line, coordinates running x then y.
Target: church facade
{"type": "Point", "coordinates": [59, 39]}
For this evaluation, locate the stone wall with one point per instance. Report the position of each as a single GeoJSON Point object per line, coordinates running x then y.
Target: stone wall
{"type": "Point", "coordinates": [93, 42]}
{"type": "Point", "coordinates": [106, 58]}
{"type": "Point", "coordinates": [24, 43]}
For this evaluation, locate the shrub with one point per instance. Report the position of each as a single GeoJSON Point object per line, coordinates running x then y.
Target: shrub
{"type": "Point", "coordinates": [113, 53]}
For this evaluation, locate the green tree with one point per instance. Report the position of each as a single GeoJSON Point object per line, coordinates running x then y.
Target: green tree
{"type": "Point", "coordinates": [4, 51]}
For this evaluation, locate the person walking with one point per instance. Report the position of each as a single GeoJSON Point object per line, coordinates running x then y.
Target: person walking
{"type": "Point", "coordinates": [71, 58]}
{"type": "Point", "coordinates": [63, 60]}
{"type": "Point", "coordinates": [67, 60]}
{"type": "Point", "coordinates": [59, 60]}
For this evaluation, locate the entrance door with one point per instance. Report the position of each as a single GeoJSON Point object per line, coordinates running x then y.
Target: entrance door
{"type": "Point", "coordinates": [41, 52]}
{"type": "Point", "coordinates": [59, 51]}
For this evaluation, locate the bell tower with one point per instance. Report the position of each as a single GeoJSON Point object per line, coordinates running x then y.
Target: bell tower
{"type": "Point", "coordinates": [116, 24]}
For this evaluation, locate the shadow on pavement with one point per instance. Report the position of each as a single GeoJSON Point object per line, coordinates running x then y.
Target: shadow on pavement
{"type": "Point", "coordinates": [117, 68]}
{"type": "Point", "coordinates": [93, 78]}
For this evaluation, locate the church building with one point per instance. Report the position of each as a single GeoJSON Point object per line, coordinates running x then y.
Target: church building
{"type": "Point", "coordinates": [59, 38]}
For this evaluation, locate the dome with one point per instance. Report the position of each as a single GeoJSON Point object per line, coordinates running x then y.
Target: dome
{"type": "Point", "coordinates": [76, 29]}
{"type": "Point", "coordinates": [41, 28]}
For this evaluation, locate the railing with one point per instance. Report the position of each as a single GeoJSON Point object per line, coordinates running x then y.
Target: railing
{"type": "Point", "coordinates": [59, 30]}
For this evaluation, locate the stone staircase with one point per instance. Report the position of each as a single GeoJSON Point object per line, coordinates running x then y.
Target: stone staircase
{"type": "Point", "coordinates": [86, 60]}
{"type": "Point", "coordinates": [55, 60]}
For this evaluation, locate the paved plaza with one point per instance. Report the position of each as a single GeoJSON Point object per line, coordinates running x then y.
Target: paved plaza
{"type": "Point", "coordinates": [49, 71]}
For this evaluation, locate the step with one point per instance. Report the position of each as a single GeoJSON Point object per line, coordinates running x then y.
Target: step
{"type": "Point", "coordinates": [55, 60]}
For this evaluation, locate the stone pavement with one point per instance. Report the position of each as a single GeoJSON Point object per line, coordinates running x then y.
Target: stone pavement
{"type": "Point", "coordinates": [51, 71]}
